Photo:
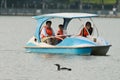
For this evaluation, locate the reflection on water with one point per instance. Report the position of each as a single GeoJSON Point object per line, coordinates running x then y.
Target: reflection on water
{"type": "Point", "coordinates": [16, 64]}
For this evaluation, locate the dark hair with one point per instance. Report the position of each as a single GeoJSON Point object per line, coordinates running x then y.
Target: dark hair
{"type": "Point", "coordinates": [60, 25]}
{"type": "Point", "coordinates": [48, 22]}
{"type": "Point", "coordinates": [88, 24]}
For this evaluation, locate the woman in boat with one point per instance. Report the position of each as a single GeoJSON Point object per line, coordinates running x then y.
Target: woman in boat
{"type": "Point", "coordinates": [87, 30]}
{"type": "Point", "coordinates": [60, 34]}
{"type": "Point", "coordinates": [46, 33]}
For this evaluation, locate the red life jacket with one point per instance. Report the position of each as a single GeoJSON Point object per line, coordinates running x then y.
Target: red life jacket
{"type": "Point", "coordinates": [84, 32]}
{"type": "Point", "coordinates": [60, 32]}
{"type": "Point", "coordinates": [48, 31]}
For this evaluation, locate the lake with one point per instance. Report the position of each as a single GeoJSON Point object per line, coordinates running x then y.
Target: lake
{"type": "Point", "coordinates": [16, 64]}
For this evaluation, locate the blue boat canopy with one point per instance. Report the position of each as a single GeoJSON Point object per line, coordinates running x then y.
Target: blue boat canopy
{"type": "Point", "coordinates": [66, 16]}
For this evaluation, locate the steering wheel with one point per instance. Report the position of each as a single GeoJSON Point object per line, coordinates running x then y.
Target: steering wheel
{"type": "Point", "coordinates": [52, 37]}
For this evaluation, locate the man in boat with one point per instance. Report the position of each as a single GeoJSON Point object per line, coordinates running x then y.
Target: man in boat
{"type": "Point", "coordinates": [87, 30]}
{"type": "Point", "coordinates": [47, 33]}
{"type": "Point", "coordinates": [60, 34]}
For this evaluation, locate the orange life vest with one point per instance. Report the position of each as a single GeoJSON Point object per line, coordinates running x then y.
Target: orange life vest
{"type": "Point", "coordinates": [60, 32]}
{"type": "Point", "coordinates": [84, 32]}
{"type": "Point", "coordinates": [48, 31]}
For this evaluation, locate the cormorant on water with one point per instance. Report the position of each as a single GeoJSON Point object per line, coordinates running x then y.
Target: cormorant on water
{"type": "Point", "coordinates": [62, 68]}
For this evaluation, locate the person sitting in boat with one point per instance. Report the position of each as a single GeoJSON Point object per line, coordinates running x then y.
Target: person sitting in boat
{"type": "Point", "coordinates": [60, 34]}
{"type": "Point", "coordinates": [87, 30]}
{"type": "Point", "coordinates": [46, 33]}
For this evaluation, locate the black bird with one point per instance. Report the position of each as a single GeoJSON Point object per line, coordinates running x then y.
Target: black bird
{"type": "Point", "coordinates": [62, 68]}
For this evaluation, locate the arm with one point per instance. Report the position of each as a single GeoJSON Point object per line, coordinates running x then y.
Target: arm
{"type": "Point", "coordinates": [43, 33]}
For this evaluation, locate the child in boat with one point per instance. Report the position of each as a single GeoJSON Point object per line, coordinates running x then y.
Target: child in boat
{"type": "Point", "coordinates": [60, 33]}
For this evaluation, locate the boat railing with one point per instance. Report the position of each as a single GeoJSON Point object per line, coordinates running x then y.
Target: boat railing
{"type": "Point", "coordinates": [95, 30]}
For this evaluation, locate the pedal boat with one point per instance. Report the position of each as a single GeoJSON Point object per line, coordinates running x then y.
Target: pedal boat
{"type": "Point", "coordinates": [72, 44]}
